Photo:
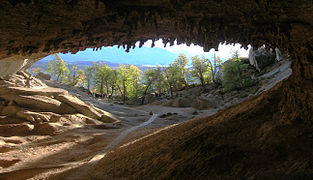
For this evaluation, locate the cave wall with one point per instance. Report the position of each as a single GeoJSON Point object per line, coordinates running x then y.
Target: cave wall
{"type": "Point", "coordinates": [36, 28]}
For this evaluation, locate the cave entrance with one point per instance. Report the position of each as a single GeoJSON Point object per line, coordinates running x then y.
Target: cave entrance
{"type": "Point", "coordinates": [152, 54]}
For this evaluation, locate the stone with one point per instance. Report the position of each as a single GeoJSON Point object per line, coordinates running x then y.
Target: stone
{"type": "Point", "coordinates": [43, 91]}
{"type": "Point", "coordinates": [46, 128]}
{"type": "Point", "coordinates": [33, 117]}
{"type": "Point", "coordinates": [40, 103]}
{"type": "Point", "coordinates": [21, 79]}
{"type": "Point", "coordinates": [79, 105]}
{"type": "Point", "coordinates": [10, 110]}
{"type": "Point", "coordinates": [10, 67]}
{"type": "Point", "coordinates": [201, 103]}
{"type": "Point", "coordinates": [44, 76]}
{"type": "Point", "coordinates": [261, 58]}
{"type": "Point", "coordinates": [22, 129]}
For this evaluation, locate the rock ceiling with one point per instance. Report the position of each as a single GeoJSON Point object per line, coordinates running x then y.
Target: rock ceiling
{"type": "Point", "coordinates": [36, 28]}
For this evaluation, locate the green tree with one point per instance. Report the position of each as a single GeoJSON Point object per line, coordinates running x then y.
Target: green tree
{"type": "Point", "coordinates": [80, 78]}
{"type": "Point", "coordinates": [150, 76]}
{"type": "Point", "coordinates": [58, 68]}
{"type": "Point", "coordinates": [75, 76]}
{"type": "Point", "coordinates": [234, 75]}
{"type": "Point", "coordinates": [102, 76]}
{"type": "Point", "coordinates": [89, 73]}
{"type": "Point", "coordinates": [200, 68]}
{"type": "Point", "coordinates": [113, 81]}
{"type": "Point", "coordinates": [128, 81]}
{"type": "Point", "coordinates": [180, 64]}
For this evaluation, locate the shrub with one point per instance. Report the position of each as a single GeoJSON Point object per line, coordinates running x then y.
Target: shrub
{"type": "Point", "coordinates": [235, 76]}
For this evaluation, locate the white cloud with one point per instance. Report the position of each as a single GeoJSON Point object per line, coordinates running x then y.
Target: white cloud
{"type": "Point", "coordinates": [224, 51]}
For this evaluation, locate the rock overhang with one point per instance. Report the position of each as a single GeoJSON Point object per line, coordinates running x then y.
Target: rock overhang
{"type": "Point", "coordinates": [32, 29]}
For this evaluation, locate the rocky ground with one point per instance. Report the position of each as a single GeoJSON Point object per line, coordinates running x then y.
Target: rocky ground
{"type": "Point", "coordinates": [37, 143]}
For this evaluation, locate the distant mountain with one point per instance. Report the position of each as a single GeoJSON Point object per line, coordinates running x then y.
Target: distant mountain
{"type": "Point", "coordinates": [42, 64]}
{"type": "Point", "coordinates": [138, 56]}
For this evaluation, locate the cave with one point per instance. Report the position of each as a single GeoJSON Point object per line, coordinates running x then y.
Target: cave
{"type": "Point", "coordinates": [266, 137]}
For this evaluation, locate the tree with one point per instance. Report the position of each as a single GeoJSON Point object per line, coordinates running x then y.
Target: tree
{"type": "Point", "coordinates": [76, 76]}
{"type": "Point", "coordinates": [200, 67]}
{"type": "Point", "coordinates": [234, 77]}
{"type": "Point", "coordinates": [80, 78]}
{"type": "Point", "coordinates": [169, 78]}
{"type": "Point", "coordinates": [89, 73]}
{"type": "Point", "coordinates": [176, 73]}
{"type": "Point", "coordinates": [113, 81]}
{"type": "Point", "coordinates": [180, 63]}
{"type": "Point", "coordinates": [58, 68]}
{"type": "Point", "coordinates": [217, 62]}
{"type": "Point", "coordinates": [102, 76]}
{"type": "Point", "coordinates": [150, 76]}
{"type": "Point", "coordinates": [128, 79]}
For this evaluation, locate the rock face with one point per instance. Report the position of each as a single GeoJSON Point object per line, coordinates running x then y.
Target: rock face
{"type": "Point", "coordinates": [44, 76]}
{"type": "Point", "coordinates": [261, 58]}
{"type": "Point", "coordinates": [41, 105]}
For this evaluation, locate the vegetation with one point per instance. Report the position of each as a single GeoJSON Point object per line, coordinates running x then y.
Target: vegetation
{"type": "Point", "coordinates": [234, 75]}
{"type": "Point", "coordinates": [127, 83]}
{"type": "Point", "coordinates": [58, 68]}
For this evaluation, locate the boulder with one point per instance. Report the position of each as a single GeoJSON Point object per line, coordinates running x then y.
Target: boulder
{"type": "Point", "coordinates": [33, 117]}
{"type": "Point", "coordinates": [201, 103]}
{"type": "Point", "coordinates": [21, 129]}
{"type": "Point", "coordinates": [44, 76]}
{"type": "Point", "coordinates": [10, 110]}
{"type": "Point", "coordinates": [80, 106]}
{"type": "Point", "coordinates": [261, 58]}
{"type": "Point", "coordinates": [14, 80]}
{"type": "Point", "coordinates": [12, 66]}
{"type": "Point", "coordinates": [43, 91]}
{"type": "Point", "coordinates": [40, 103]}
{"type": "Point", "coordinates": [46, 128]}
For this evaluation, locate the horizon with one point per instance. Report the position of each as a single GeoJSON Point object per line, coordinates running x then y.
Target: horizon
{"type": "Point", "coordinates": [147, 56]}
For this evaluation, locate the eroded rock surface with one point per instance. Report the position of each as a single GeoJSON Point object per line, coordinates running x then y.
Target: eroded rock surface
{"type": "Point", "coordinates": [41, 109]}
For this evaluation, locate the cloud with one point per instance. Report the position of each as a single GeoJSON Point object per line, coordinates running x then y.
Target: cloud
{"type": "Point", "coordinates": [224, 51]}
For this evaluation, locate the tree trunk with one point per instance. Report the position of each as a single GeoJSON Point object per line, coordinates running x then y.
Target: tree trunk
{"type": "Point", "coordinates": [107, 87]}
{"type": "Point", "coordinates": [169, 83]}
{"type": "Point", "coordinates": [212, 72]}
{"type": "Point", "coordinates": [145, 93]}
{"type": "Point", "coordinates": [112, 91]}
{"type": "Point", "coordinates": [101, 87]}
{"type": "Point", "coordinates": [124, 92]}
{"type": "Point", "coordinates": [58, 77]}
{"type": "Point", "coordinates": [88, 84]}
{"type": "Point", "coordinates": [120, 90]}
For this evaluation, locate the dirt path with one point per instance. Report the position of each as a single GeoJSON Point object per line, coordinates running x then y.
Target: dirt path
{"type": "Point", "coordinates": [119, 138]}
{"type": "Point", "coordinates": [44, 156]}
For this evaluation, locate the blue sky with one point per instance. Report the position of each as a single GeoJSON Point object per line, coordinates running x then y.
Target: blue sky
{"type": "Point", "coordinates": [150, 56]}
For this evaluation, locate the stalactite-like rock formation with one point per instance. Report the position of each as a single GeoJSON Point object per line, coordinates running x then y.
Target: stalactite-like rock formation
{"type": "Point", "coordinates": [35, 28]}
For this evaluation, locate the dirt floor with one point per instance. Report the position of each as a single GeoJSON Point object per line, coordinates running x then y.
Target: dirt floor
{"type": "Point", "coordinates": [38, 156]}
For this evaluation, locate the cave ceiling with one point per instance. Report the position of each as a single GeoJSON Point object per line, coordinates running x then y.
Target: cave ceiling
{"type": "Point", "coordinates": [36, 28]}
